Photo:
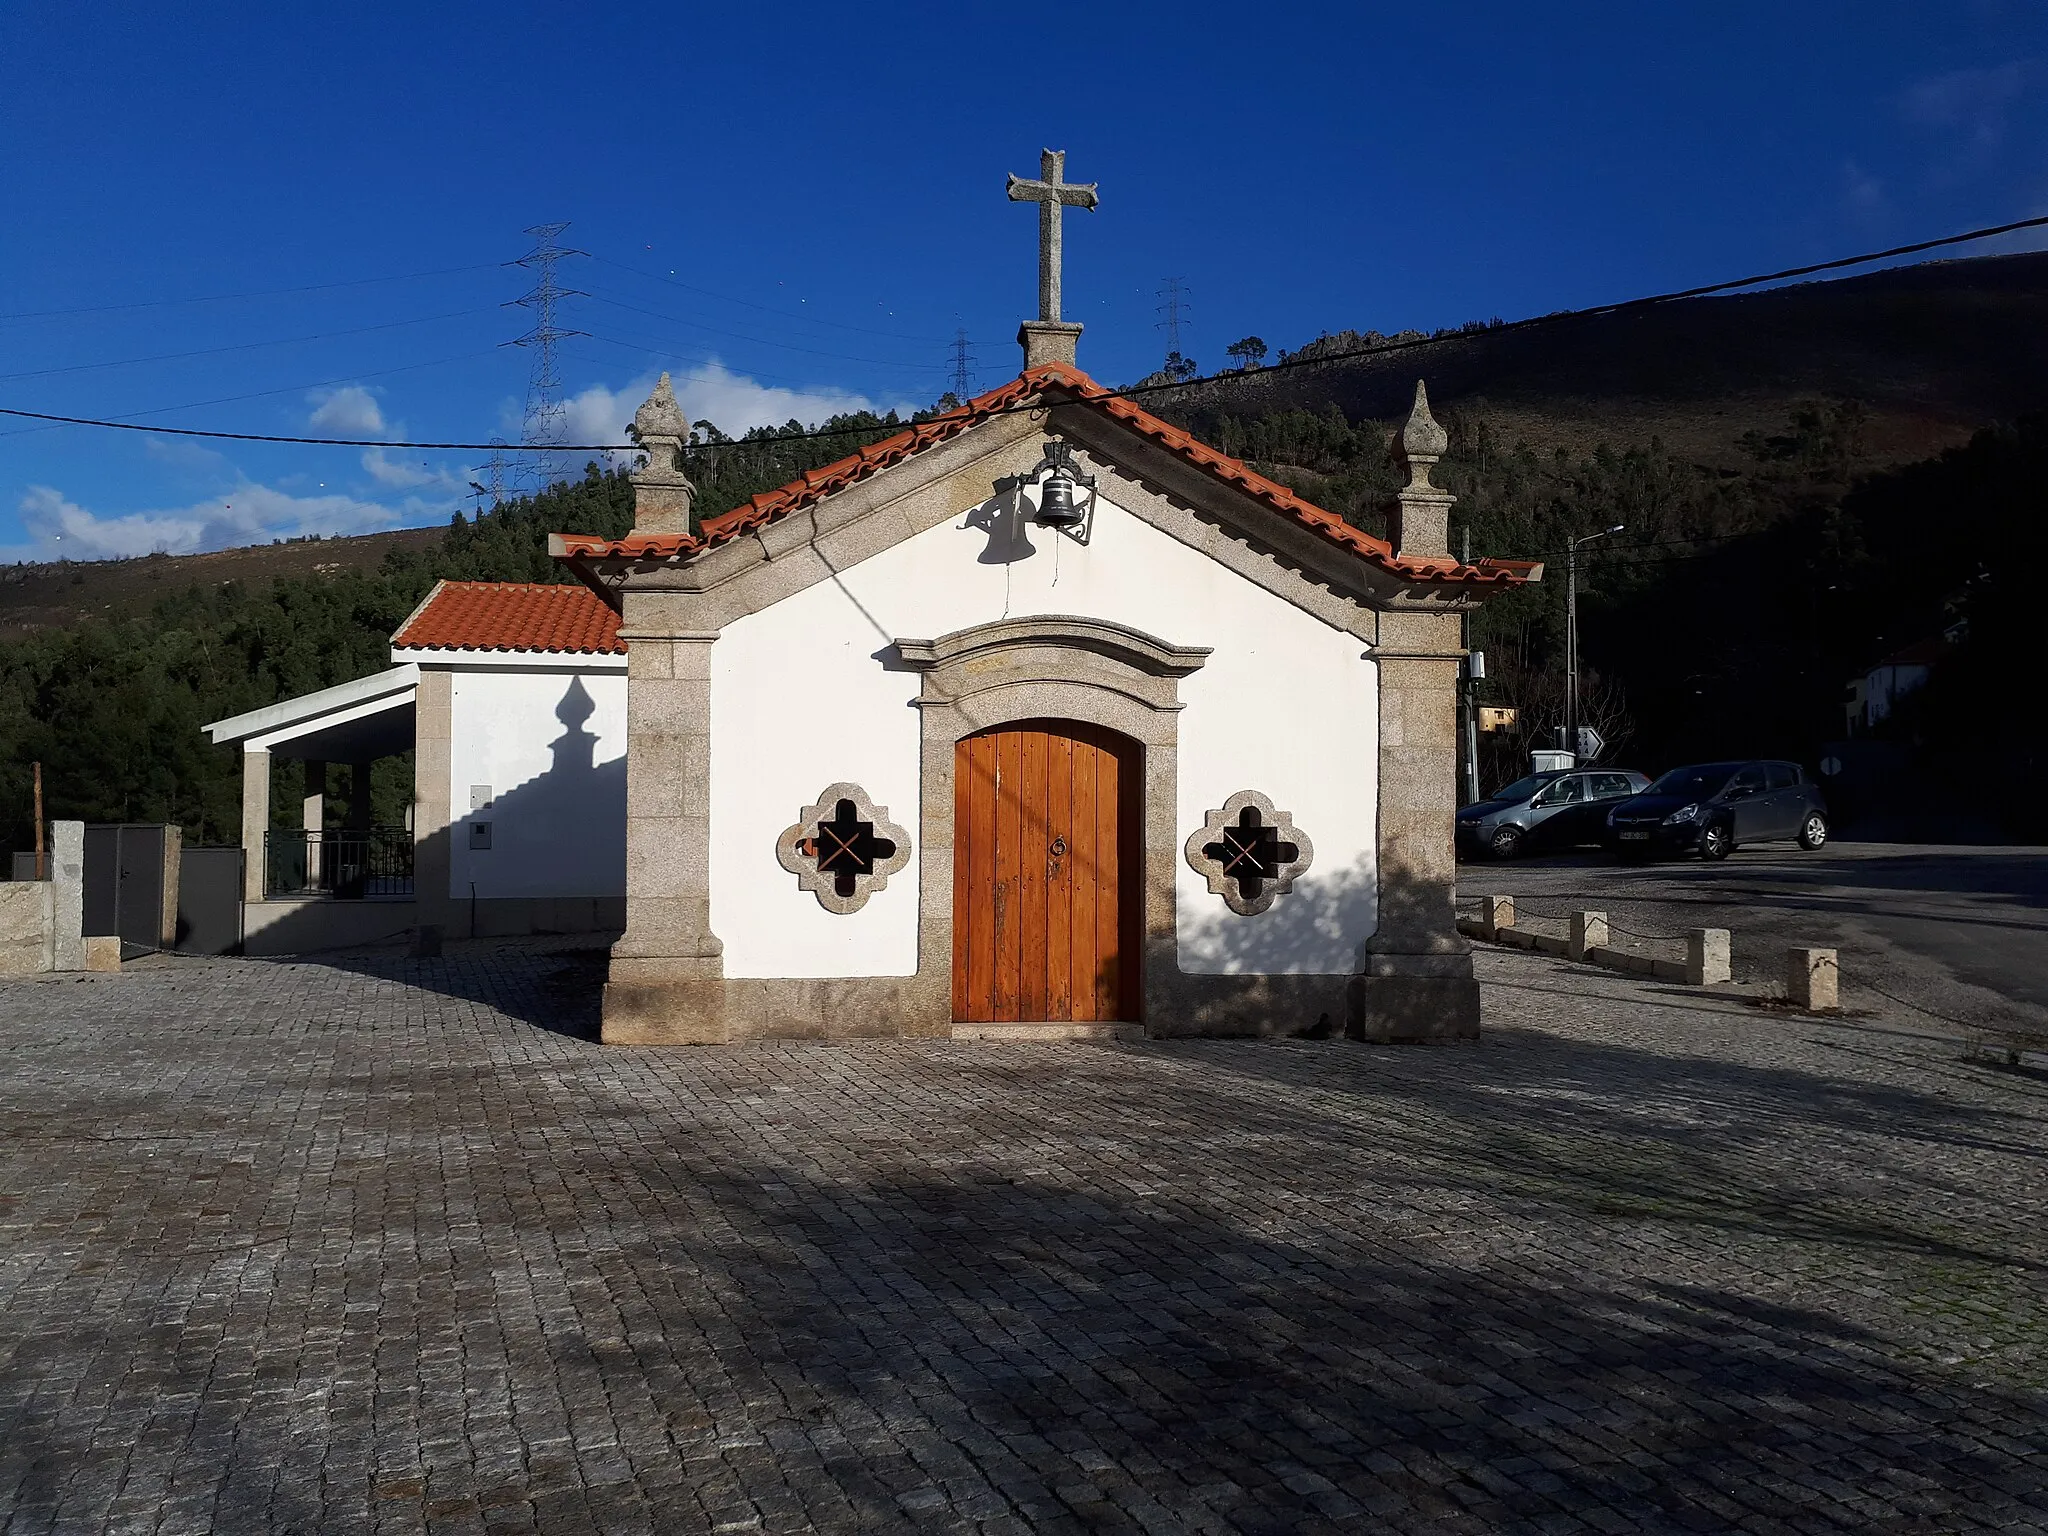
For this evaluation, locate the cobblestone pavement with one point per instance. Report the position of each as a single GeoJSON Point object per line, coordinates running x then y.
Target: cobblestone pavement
{"type": "Point", "coordinates": [390, 1244]}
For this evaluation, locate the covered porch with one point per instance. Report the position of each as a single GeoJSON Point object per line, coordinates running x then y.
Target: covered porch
{"type": "Point", "coordinates": [328, 875]}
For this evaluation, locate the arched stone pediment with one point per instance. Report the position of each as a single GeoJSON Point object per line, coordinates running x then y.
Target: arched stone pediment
{"type": "Point", "coordinates": [1103, 637]}
{"type": "Point", "coordinates": [1024, 657]}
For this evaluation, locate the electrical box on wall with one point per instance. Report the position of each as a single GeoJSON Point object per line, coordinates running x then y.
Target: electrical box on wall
{"type": "Point", "coordinates": [479, 836]}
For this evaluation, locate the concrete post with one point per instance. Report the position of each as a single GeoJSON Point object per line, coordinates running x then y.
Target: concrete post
{"type": "Point", "coordinates": [174, 869]}
{"type": "Point", "coordinates": [1589, 932]}
{"type": "Point", "coordinates": [67, 891]}
{"type": "Point", "coordinates": [1813, 980]}
{"type": "Point", "coordinates": [433, 819]}
{"type": "Point", "coordinates": [255, 820]}
{"type": "Point", "coordinates": [313, 817]}
{"type": "Point", "coordinates": [1496, 913]}
{"type": "Point", "coordinates": [1706, 957]}
{"type": "Point", "coordinates": [360, 810]}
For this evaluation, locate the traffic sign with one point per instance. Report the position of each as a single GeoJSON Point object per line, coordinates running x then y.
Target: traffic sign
{"type": "Point", "coordinates": [1591, 742]}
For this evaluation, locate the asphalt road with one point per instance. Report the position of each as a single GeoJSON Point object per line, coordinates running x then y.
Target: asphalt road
{"type": "Point", "coordinates": [1958, 932]}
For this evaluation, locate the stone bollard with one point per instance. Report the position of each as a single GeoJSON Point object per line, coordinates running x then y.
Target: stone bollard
{"type": "Point", "coordinates": [1706, 957]}
{"type": "Point", "coordinates": [67, 894]}
{"type": "Point", "coordinates": [102, 952]}
{"type": "Point", "coordinates": [1589, 932]}
{"type": "Point", "coordinates": [1496, 913]}
{"type": "Point", "coordinates": [426, 941]}
{"type": "Point", "coordinates": [1813, 980]}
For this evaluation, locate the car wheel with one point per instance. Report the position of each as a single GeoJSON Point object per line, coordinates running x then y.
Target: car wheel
{"type": "Point", "coordinates": [1813, 831]}
{"type": "Point", "coordinates": [1507, 842]}
{"type": "Point", "coordinates": [1716, 841]}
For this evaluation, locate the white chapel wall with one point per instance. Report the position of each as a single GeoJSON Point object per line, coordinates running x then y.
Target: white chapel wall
{"type": "Point", "coordinates": [1286, 705]}
{"type": "Point", "coordinates": [548, 746]}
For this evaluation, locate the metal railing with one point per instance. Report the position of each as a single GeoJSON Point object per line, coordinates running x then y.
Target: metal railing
{"type": "Point", "coordinates": [346, 865]}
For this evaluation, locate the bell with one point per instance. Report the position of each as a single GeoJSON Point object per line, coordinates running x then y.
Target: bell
{"type": "Point", "coordinates": [1057, 503]}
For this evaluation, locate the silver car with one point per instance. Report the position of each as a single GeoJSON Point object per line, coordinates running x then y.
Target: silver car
{"type": "Point", "coordinates": [1545, 811]}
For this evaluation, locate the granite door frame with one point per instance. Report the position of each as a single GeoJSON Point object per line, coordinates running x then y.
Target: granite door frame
{"type": "Point", "coordinates": [1055, 668]}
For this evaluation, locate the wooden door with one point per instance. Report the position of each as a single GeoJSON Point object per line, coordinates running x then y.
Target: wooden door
{"type": "Point", "coordinates": [1046, 865]}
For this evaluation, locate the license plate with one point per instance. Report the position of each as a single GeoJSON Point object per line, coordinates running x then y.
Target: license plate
{"type": "Point", "coordinates": [1635, 837]}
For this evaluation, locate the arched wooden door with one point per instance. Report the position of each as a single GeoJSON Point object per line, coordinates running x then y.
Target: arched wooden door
{"type": "Point", "coordinates": [1046, 870]}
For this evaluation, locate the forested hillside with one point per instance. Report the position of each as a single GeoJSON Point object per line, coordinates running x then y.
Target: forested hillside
{"type": "Point", "coordinates": [1730, 615]}
{"type": "Point", "coordinates": [1854, 467]}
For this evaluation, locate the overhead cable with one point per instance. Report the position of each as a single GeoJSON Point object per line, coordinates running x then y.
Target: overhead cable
{"type": "Point", "coordinates": [1133, 390]}
{"type": "Point", "coordinates": [259, 293]}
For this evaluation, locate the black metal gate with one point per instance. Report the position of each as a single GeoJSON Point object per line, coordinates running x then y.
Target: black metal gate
{"type": "Point", "coordinates": [125, 875]}
{"type": "Point", "coordinates": [210, 902]}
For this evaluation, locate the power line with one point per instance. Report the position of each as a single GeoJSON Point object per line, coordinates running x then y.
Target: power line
{"type": "Point", "coordinates": [258, 293]}
{"type": "Point", "coordinates": [546, 417]}
{"type": "Point", "coordinates": [766, 309]}
{"type": "Point", "coordinates": [313, 442]}
{"type": "Point", "coordinates": [963, 367]}
{"type": "Point", "coordinates": [1173, 299]}
{"type": "Point", "coordinates": [243, 346]}
{"type": "Point", "coordinates": [1130, 391]}
{"type": "Point", "coordinates": [286, 389]}
{"type": "Point", "coordinates": [763, 341]}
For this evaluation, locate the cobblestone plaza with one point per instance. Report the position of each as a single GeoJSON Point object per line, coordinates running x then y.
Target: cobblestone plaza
{"type": "Point", "coordinates": [392, 1244]}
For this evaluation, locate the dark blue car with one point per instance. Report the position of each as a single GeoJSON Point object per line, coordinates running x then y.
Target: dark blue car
{"type": "Point", "coordinates": [1714, 808]}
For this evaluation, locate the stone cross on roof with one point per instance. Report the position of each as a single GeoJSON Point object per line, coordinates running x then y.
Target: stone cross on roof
{"type": "Point", "coordinates": [1053, 196]}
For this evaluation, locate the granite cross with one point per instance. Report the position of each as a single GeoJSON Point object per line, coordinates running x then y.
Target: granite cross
{"type": "Point", "coordinates": [1053, 197]}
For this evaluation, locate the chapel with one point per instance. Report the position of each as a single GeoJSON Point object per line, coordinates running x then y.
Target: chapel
{"type": "Point", "coordinates": [1037, 719]}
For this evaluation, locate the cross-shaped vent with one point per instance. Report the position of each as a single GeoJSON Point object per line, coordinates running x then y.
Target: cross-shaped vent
{"type": "Point", "coordinates": [1252, 853]}
{"type": "Point", "coordinates": [843, 849]}
{"type": "Point", "coordinates": [847, 847]}
{"type": "Point", "coordinates": [1249, 852]}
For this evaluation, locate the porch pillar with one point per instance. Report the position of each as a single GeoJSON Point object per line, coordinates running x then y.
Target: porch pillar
{"type": "Point", "coordinates": [359, 808]}
{"type": "Point", "coordinates": [313, 817]}
{"type": "Point", "coordinates": [432, 813]}
{"type": "Point", "coordinates": [255, 820]}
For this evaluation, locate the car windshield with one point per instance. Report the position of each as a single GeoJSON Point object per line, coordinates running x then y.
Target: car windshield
{"type": "Point", "coordinates": [1694, 783]}
{"type": "Point", "coordinates": [1524, 789]}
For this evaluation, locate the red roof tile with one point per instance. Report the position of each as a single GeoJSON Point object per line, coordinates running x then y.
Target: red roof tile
{"type": "Point", "coordinates": [1056, 378]}
{"type": "Point", "coordinates": [512, 616]}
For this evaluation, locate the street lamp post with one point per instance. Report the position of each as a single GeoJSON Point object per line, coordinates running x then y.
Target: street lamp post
{"type": "Point", "coordinates": [1571, 635]}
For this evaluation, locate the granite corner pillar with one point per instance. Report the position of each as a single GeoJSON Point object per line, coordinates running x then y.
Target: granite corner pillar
{"type": "Point", "coordinates": [1418, 982]}
{"type": "Point", "coordinates": [667, 982]}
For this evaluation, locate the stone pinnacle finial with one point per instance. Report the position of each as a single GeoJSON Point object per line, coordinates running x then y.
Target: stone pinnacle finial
{"type": "Point", "coordinates": [1422, 438]}
{"type": "Point", "coordinates": [662, 493]}
{"type": "Point", "coordinates": [1421, 511]}
{"type": "Point", "coordinates": [659, 415]}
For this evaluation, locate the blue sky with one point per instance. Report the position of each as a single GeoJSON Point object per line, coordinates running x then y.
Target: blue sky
{"type": "Point", "coordinates": [793, 207]}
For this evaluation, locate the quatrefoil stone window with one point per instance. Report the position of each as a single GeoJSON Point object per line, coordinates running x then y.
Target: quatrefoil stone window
{"type": "Point", "coordinates": [1249, 852]}
{"type": "Point", "coordinates": [844, 848]}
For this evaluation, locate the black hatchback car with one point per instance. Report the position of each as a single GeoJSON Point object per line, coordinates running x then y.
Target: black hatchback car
{"type": "Point", "coordinates": [1714, 808]}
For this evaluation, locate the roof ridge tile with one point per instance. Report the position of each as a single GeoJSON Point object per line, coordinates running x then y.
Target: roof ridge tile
{"type": "Point", "coordinates": [814, 484]}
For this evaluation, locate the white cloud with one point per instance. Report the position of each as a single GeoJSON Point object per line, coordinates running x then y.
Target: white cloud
{"type": "Point", "coordinates": [1862, 194]}
{"type": "Point", "coordinates": [60, 529]}
{"type": "Point", "coordinates": [183, 453]}
{"type": "Point", "coordinates": [409, 475]}
{"type": "Point", "coordinates": [351, 411]}
{"type": "Point", "coordinates": [1973, 100]}
{"type": "Point", "coordinates": [709, 392]}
